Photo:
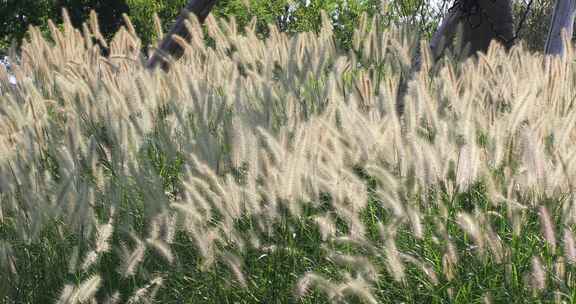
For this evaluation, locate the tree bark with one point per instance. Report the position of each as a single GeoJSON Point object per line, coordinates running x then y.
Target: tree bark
{"type": "Point", "coordinates": [476, 23]}
{"type": "Point", "coordinates": [562, 21]}
{"type": "Point", "coordinates": [168, 47]}
{"type": "Point", "coordinates": [445, 33]}
{"type": "Point", "coordinates": [481, 21]}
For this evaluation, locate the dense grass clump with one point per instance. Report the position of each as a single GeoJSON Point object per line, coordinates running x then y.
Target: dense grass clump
{"type": "Point", "coordinates": [277, 171]}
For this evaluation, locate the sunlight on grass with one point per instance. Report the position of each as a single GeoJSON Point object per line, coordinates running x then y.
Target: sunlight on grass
{"type": "Point", "coordinates": [277, 171]}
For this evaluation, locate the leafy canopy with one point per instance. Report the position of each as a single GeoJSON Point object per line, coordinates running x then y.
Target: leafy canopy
{"type": "Point", "coordinates": [289, 15]}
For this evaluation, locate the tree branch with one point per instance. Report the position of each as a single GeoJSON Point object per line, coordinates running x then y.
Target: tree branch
{"type": "Point", "coordinates": [168, 47]}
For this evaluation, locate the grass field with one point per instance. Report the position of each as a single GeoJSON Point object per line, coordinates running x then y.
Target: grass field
{"type": "Point", "coordinates": [277, 171]}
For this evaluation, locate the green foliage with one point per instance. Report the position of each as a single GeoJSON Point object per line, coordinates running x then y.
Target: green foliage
{"type": "Point", "coordinates": [289, 15]}
{"type": "Point", "coordinates": [17, 15]}
{"type": "Point", "coordinates": [305, 15]}
{"type": "Point", "coordinates": [143, 12]}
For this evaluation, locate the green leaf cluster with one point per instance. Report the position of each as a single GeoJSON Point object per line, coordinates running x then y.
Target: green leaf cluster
{"type": "Point", "coordinates": [289, 15]}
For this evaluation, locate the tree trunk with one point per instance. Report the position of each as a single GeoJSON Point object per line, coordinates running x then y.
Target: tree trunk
{"type": "Point", "coordinates": [445, 33]}
{"type": "Point", "coordinates": [562, 21]}
{"type": "Point", "coordinates": [168, 47]}
{"type": "Point", "coordinates": [476, 23]}
{"type": "Point", "coordinates": [481, 21]}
